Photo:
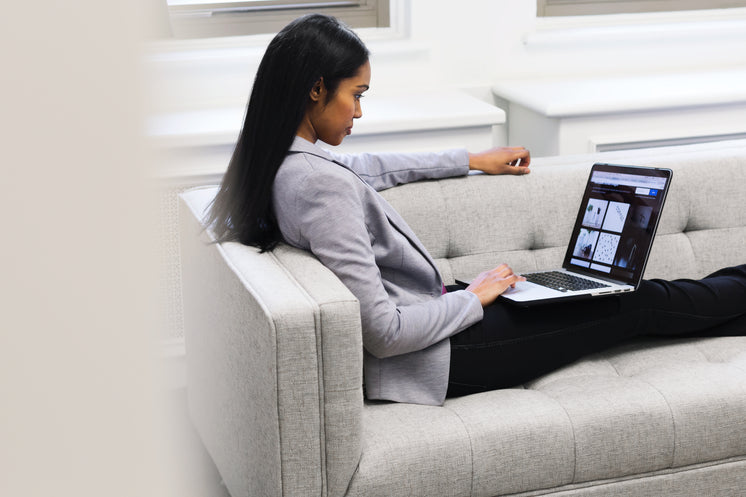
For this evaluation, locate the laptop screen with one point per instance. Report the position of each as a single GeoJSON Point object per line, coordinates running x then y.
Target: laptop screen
{"type": "Point", "coordinates": [617, 221]}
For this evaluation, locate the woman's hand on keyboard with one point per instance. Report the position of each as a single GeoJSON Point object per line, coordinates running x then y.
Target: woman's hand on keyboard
{"type": "Point", "coordinates": [490, 284]}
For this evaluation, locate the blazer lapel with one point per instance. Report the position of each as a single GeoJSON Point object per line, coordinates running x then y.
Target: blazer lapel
{"type": "Point", "coordinates": [394, 218]}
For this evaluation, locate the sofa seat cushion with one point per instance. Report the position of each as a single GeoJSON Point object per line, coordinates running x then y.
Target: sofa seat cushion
{"type": "Point", "coordinates": [646, 407]}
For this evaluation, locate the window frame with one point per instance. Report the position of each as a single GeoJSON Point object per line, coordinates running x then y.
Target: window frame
{"type": "Point", "coordinates": [236, 18]}
{"type": "Point", "coordinates": [562, 8]}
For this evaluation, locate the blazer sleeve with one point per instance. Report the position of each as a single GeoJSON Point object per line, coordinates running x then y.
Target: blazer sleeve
{"type": "Point", "coordinates": [383, 171]}
{"type": "Point", "coordinates": [331, 222]}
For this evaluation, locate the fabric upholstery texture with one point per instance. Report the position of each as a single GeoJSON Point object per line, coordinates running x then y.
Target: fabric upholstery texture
{"type": "Point", "coordinates": [275, 362]}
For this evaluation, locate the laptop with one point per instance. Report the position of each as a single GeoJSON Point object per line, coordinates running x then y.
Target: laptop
{"type": "Point", "coordinates": [611, 239]}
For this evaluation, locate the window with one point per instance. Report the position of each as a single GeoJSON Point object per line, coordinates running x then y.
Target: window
{"type": "Point", "coordinates": [211, 18]}
{"type": "Point", "coordinates": [550, 8]}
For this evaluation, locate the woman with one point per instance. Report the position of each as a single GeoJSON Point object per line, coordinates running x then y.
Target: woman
{"type": "Point", "coordinates": [421, 341]}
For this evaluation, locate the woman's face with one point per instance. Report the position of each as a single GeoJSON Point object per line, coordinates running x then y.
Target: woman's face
{"type": "Point", "coordinates": [330, 119]}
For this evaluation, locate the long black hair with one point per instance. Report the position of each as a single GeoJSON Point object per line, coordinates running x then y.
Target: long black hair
{"type": "Point", "coordinates": [312, 47]}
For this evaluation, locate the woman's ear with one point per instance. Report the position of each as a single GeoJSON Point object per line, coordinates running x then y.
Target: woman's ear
{"type": "Point", "coordinates": [318, 91]}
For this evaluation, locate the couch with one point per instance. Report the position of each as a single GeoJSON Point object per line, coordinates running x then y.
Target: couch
{"type": "Point", "coordinates": [274, 355]}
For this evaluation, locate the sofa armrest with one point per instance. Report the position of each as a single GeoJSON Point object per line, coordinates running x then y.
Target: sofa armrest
{"type": "Point", "coordinates": [274, 363]}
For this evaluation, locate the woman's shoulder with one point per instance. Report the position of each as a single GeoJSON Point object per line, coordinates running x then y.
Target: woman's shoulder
{"type": "Point", "coordinates": [308, 170]}
{"type": "Point", "coordinates": [307, 187]}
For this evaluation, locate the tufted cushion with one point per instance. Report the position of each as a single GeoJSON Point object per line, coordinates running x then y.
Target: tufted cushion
{"type": "Point", "coordinates": [649, 407]}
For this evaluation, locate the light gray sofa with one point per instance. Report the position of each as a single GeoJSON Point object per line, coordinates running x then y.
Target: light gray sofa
{"type": "Point", "coordinates": [274, 356]}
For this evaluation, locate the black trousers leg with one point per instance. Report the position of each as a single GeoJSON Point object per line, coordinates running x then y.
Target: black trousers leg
{"type": "Point", "coordinates": [513, 344]}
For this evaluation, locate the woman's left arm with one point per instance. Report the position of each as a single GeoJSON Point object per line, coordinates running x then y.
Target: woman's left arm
{"type": "Point", "coordinates": [386, 170]}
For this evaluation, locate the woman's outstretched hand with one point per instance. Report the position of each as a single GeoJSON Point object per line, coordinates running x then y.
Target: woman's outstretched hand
{"type": "Point", "coordinates": [501, 160]}
{"type": "Point", "coordinates": [490, 284]}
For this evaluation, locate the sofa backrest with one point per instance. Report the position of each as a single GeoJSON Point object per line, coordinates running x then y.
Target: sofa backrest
{"type": "Point", "coordinates": [475, 223]}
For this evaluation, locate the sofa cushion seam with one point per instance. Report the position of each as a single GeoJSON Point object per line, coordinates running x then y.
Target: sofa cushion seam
{"type": "Point", "coordinates": [272, 320]}
{"type": "Point", "coordinates": [319, 371]}
{"type": "Point", "coordinates": [449, 247]}
{"type": "Point", "coordinates": [673, 420]}
{"type": "Point", "coordinates": [574, 439]}
{"type": "Point", "coordinates": [471, 450]}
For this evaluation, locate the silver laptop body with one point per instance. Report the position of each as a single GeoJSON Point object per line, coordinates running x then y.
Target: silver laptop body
{"type": "Point", "coordinates": [611, 240]}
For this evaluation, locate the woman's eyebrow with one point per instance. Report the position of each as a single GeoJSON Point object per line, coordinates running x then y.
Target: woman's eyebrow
{"type": "Point", "coordinates": [364, 87]}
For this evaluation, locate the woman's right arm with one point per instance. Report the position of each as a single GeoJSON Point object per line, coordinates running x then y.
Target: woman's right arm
{"type": "Point", "coordinates": [329, 219]}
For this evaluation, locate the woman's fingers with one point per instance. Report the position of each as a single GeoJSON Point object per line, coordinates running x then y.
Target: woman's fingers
{"type": "Point", "coordinates": [490, 284]}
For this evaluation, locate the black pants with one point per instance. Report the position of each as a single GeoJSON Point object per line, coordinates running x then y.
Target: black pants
{"type": "Point", "coordinates": [514, 344]}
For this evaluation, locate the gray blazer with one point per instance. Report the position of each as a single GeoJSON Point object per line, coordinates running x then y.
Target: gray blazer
{"type": "Point", "coordinates": [329, 204]}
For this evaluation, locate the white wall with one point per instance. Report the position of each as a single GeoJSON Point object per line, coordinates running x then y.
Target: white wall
{"type": "Point", "coordinates": [481, 41]}
{"type": "Point", "coordinates": [76, 342]}
{"type": "Point", "coordinates": [471, 46]}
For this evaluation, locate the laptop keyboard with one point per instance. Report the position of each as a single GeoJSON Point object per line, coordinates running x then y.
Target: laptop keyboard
{"type": "Point", "coordinates": [563, 282]}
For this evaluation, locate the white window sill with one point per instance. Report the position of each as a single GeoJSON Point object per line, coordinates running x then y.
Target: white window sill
{"type": "Point", "coordinates": [201, 140]}
{"type": "Point", "coordinates": [392, 113]}
{"type": "Point", "coordinates": [644, 28]}
{"type": "Point", "coordinates": [592, 95]}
